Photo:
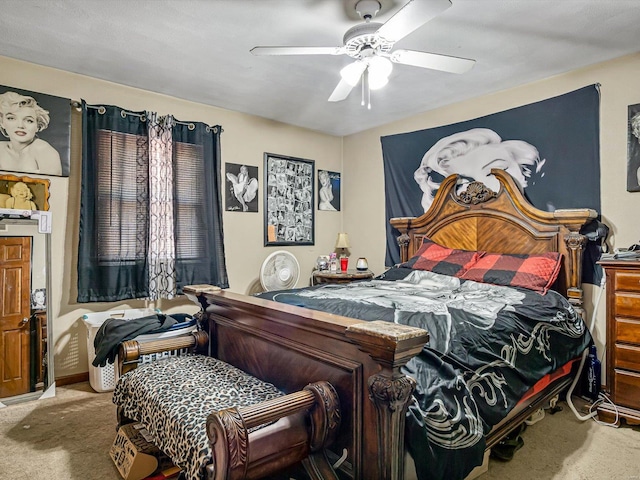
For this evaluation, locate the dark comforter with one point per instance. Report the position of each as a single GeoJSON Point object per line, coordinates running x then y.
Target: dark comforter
{"type": "Point", "coordinates": [488, 346]}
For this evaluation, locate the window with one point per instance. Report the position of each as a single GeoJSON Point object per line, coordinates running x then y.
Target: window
{"type": "Point", "coordinates": [189, 227]}
{"type": "Point", "coordinates": [122, 211]}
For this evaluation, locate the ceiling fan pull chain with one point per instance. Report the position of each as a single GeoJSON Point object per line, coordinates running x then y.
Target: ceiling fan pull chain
{"type": "Point", "coordinates": [367, 88]}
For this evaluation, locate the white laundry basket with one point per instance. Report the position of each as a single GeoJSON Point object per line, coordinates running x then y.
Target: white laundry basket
{"type": "Point", "coordinates": [103, 379]}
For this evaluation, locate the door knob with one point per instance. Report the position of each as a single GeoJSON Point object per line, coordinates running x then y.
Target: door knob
{"type": "Point", "coordinates": [25, 321]}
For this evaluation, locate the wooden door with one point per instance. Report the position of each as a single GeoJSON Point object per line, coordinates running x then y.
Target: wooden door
{"type": "Point", "coordinates": [15, 311]}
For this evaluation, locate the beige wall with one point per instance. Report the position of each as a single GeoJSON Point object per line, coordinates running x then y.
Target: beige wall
{"type": "Point", "coordinates": [363, 181]}
{"type": "Point", "coordinates": [358, 157]}
{"type": "Point", "coordinates": [245, 139]}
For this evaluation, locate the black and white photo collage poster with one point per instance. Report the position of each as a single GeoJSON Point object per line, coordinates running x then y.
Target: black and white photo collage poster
{"type": "Point", "coordinates": [290, 200]}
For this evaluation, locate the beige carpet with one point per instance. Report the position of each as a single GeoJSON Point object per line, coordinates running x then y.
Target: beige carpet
{"type": "Point", "coordinates": [560, 447]}
{"type": "Point", "coordinates": [62, 438]}
{"type": "Point", "coordinates": [68, 438]}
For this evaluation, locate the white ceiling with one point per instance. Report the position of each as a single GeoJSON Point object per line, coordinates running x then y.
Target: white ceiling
{"type": "Point", "coordinates": [199, 50]}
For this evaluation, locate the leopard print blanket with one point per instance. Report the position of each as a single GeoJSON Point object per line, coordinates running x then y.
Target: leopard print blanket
{"type": "Point", "coordinates": [172, 398]}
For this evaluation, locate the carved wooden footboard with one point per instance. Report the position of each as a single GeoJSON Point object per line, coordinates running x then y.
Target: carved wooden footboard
{"type": "Point", "coordinates": [292, 346]}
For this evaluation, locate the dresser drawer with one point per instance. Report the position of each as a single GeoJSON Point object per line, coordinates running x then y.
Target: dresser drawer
{"type": "Point", "coordinates": [627, 330]}
{"type": "Point", "coordinates": [627, 304]}
{"type": "Point", "coordinates": [627, 357]}
{"type": "Point", "coordinates": [627, 389]}
{"type": "Point", "coordinates": [627, 281]}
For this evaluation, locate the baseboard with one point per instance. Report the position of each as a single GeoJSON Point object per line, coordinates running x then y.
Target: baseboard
{"type": "Point", "coordinates": [71, 379]}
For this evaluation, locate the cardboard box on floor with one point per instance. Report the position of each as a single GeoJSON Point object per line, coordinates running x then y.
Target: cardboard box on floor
{"type": "Point", "coordinates": [134, 455]}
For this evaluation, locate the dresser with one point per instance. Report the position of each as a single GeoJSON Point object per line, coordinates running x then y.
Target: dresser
{"type": "Point", "coordinates": [623, 340]}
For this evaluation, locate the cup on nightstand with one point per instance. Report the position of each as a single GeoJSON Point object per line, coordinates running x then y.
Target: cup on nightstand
{"type": "Point", "coordinates": [344, 264]}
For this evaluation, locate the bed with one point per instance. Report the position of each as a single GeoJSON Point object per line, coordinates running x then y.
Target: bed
{"type": "Point", "coordinates": [367, 361]}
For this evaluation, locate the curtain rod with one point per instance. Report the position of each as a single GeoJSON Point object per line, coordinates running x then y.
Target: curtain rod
{"type": "Point", "coordinates": [102, 110]}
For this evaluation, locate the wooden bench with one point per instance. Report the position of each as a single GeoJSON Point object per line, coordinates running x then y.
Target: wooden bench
{"type": "Point", "coordinates": [217, 422]}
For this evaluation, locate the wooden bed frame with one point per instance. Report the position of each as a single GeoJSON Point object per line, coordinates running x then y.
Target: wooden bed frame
{"type": "Point", "coordinates": [292, 346]}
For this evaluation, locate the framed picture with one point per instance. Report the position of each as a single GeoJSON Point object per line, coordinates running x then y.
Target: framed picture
{"type": "Point", "coordinates": [328, 191]}
{"type": "Point", "coordinates": [24, 193]}
{"type": "Point", "coordinates": [288, 198]}
{"type": "Point", "coordinates": [242, 191]}
{"type": "Point", "coordinates": [39, 299]}
{"type": "Point", "coordinates": [633, 148]}
{"type": "Point", "coordinates": [39, 127]}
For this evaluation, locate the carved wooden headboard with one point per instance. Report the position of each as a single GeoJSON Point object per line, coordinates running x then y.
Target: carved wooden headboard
{"type": "Point", "coordinates": [500, 222]}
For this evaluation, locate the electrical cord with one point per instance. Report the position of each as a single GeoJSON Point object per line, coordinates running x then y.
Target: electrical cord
{"type": "Point", "coordinates": [341, 460]}
{"type": "Point", "coordinates": [602, 397]}
{"type": "Point", "coordinates": [573, 386]}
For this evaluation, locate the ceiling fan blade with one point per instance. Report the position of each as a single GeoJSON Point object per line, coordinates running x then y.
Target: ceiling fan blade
{"type": "Point", "coordinates": [410, 17]}
{"type": "Point", "coordinates": [297, 50]}
{"type": "Point", "coordinates": [434, 61]}
{"type": "Point", "coordinates": [342, 91]}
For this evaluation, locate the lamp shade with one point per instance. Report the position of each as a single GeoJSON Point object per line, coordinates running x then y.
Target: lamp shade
{"type": "Point", "coordinates": [379, 71]}
{"type": "Point", "coordinates": [376, 83]}
{"type": "Point", "coordinates": [342, 241]}
{"type": "Point", "coordinates": [352, 73]}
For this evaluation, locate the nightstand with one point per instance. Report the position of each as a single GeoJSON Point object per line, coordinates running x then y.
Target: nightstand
{"type": "Point", "coordinates": [325, 276]}
{"type": "Point", "coordinates": [623, 340]}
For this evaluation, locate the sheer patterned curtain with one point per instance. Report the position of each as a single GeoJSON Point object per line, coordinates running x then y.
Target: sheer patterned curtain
{"type": "Point", "coordinates": [151, 206]}
{"type": "Point", "coordinates": [162, 252]}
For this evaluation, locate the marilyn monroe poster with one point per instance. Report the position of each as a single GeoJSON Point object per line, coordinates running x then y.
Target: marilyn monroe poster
{"type": "Point", "coordinates": [35, 132]}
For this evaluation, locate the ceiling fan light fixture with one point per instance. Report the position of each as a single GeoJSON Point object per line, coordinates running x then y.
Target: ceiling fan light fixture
{"type": "Point", "coordinates": [379, 70]}
{"type": "Point", "coordinates": [381, 66]}
{"type": "Point", "coordinates": [351, 73]}
{"type": "Point", "coordinates": [377, 82]}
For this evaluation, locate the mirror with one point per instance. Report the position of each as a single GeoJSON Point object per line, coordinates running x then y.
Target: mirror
{"type": "Point", "coordinates": [27, 362]}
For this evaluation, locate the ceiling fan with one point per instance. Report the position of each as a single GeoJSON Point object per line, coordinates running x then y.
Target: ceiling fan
{"type": "Point", "coordinates": [370, 45]}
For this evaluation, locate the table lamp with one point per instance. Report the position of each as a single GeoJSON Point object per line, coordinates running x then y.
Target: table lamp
{"type": "Point", "coordinates": [342, 244]}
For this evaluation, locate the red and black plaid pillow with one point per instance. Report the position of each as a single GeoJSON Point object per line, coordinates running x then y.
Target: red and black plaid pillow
{"type": "Point", "coordinates": [535, 272]}
{"type": "Point", "coordinates": [436, 258]}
